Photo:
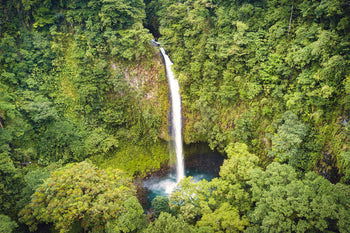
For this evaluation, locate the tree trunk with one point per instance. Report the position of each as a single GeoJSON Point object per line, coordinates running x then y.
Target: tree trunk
{"type": "Point", "coordinates": [291, 16]}
{"type": "Point", "coordinates": [1, 122]}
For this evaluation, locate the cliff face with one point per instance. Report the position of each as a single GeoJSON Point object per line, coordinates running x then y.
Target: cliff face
{"type": "Point", "coordinates": [148, 81]}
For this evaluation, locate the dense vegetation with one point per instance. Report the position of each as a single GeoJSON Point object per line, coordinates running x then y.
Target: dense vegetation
{"type": "Point", "coordinates": [83, 96]}
{"type": "Point", "coordinates": [78, 80]}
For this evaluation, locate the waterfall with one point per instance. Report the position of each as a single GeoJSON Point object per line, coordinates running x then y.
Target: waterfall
{"type": "Point", "coordinates": [176, 118]}
{"type": "Point", "coordinates": [160, 186]}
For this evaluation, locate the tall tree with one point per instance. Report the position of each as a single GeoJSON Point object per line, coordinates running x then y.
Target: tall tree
{"type": "Point", "coordinates": [85, 195]}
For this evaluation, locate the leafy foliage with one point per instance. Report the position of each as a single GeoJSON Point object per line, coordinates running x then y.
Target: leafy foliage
{"type": "Point", "coordinates": [286, 203]}
{"type": "Point", "coordinates": [80, 80]}
{"type": "Point", "coordinates": [6, 225]}
{"type": "Point", "coordinates": [167, 223]}
{"type": "Point", "coordinates": [287, 143]}
{"type": "Point", "coordinates": [160, 204]}
{"type": "Point", "coordinates": [231, 187]}
{"type": "Point", "coordinates": [82, 193]}
{"type": "Point", "coordinates": [11, 182]}
{"type": "Point", "coordinates": [219, 205]}
{"type": "Point", "coordinates": [248, 198]}
{"type": "Point", "coordinates": [224, 219]}
{"type": "Point", "coordinates": [245, 65]}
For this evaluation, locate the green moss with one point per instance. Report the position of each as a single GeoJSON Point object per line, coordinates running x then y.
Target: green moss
{"type": "Point", "coordinates": [136, 160]}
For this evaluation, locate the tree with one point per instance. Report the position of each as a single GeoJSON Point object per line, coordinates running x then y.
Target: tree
{"type": "Point", "coordinates": [189, 199]}
{"type": "Point", "coordinates": [6, 224]}
{"type": "Point", "coordinates": [220, 204]}
{"type": "Point", "coordinates": [81, 193]}
{"type": "Point", "coordinates": [10, 184]}
{"type": "Point", "coordinates": [244, 128]}
{"type": "Point", "coordinates": [224, 219]}
{"type": "Point", "coordinates": [41, 110]}
{"type": "Point", "coordinates": [287, 143]}
{"type": "Point", "coordinates": [62, 140]}
{"type": "Point", "coordinates": [223, 202]}
{"type": "Point", "coordinates": [32, 180]}
{"type": "Point", "coordinates": [231, 187]}
{"type": "Point", "coordinates": [160, 204]}
{"type": "Point", "coordinates": [285, 203]}
{"type": "Point", "coordinates": [132, 220]}
{"type": "Point", "coordinates": [167, 223]}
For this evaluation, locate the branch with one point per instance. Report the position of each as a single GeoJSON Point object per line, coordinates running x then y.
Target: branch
{"type": "Point", "coordinates": [291, 16]}
{"type": "Point", "coordinates": [1, 120]}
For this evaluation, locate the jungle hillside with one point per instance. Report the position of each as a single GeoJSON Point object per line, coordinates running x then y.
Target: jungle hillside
{"type": "Point", "coordinates": [84, 114]}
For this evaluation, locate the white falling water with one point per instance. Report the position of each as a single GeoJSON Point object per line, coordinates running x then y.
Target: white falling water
{"type": "Point", "coordinates": [176, 116]}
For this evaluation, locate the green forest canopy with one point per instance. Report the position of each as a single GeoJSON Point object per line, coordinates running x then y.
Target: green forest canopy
{"type": "Point", "coordinates": [266, 83]}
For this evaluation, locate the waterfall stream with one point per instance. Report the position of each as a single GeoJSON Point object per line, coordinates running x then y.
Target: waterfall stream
{"type": "Point", "coordinates": [176, 116]}
{"type": "Point", "coordinates": [164, 185]}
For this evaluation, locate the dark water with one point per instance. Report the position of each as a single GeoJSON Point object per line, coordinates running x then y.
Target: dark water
{"type": "Point", "coordinates": [204, 165]}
